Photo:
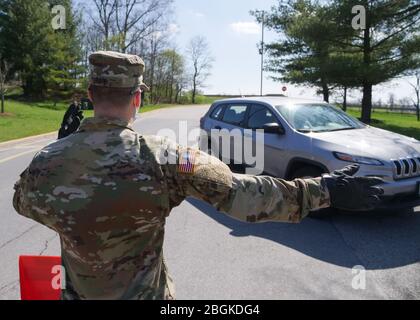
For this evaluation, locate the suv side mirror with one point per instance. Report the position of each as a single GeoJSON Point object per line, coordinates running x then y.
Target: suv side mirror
{"type": "Point", "coordinates": [273, 128]}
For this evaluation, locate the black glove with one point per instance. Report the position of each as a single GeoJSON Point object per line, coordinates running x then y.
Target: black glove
{"type": "Point", "coordinates": [71, 122]}
{"type": "Point", "coordinates": [80, 115]}
{"type": "Point", "coordinates": [353, 193]}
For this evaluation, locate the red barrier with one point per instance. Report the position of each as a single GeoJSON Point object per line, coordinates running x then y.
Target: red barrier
{"type": "Point", "coordinates": [37, 276]}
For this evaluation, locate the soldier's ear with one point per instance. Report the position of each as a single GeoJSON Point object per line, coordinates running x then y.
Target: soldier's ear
{"type": "Point", "coordinates": [137, 99]}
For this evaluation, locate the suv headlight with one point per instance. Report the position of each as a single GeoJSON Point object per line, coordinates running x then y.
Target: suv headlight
{"type": "Point", "coordinates": [357, 159]}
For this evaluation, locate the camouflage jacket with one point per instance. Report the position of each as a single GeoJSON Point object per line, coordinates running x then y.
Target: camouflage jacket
{"type": "Point", "coordinates": [107, 191]}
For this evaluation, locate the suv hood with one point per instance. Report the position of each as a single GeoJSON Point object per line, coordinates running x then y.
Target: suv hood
{"type": "Point", "coordinates": [369, 142]}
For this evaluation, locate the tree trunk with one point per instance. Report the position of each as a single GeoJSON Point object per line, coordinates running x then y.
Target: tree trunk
{"type": "Point", "coordinates": [325, 92]}
{"type": "Point", "coordinates": [171, 90]}
{"type": "Point", "coordinates": [106, 38]}
{"type": "Point", "coordinates": [345, 100]}
{"type": "Point", "coordinates": [152, 71]}
{"type": "Point", "coordinates": [367, 103]}
{"type": "Point", "coordinates": [27, 84]}
{"type": "Point", "coordinates": [2, 102]}
{"type": "Point", "coordinates": [177, 94]}
{"type": "Point", "coordinates": [367, 84]}
{"type": "Point", "coordinates": [193, 95]}
{"type": "Point", "coordinates": [172, 78]}
{"type": "Point", "coordinates": [194, 91]}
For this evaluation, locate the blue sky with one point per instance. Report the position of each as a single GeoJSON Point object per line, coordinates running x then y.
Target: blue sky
{"type": "Point", "coordinates": [233, 37]}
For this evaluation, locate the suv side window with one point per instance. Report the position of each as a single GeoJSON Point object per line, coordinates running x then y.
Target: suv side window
{"type": "Point", "coordinates": [235, 114]}
{"type": "Point", "coordinates": [217, 112]}
{"type": "Point", "coordinates": [259, 116]}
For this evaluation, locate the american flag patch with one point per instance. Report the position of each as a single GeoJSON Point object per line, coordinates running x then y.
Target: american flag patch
{"type": "Point", "coordinates": [186, 163]}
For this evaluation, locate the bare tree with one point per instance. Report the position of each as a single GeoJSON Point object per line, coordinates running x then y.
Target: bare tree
{"type": "Point", "coordinates": [90, 35]}
{"type": "Point", "coordinates": [105, 19]}
{"type": "Point", "coordinates": [177, 78]}
{"type": "Point", "coordinates": [157, 43]}
{"type": "Point", "coordinates": [138, 19]}
{"type": "Point", "coordinates": [181, 84]}
{"type": "Point", "coordinates": [169, 76]}
{"type": "Point", "coordinates": [391, 101]}
{"type": "Point", "coordinates": [123, 23]}
{"type": "Point", "coordinates": [416, 87]}
{"type": "Point", "coordinates": [4, 69]}
{"type": "Point", "coordinates": [198, 53]}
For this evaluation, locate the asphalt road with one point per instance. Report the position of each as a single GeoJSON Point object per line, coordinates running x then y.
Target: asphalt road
{"type": "Point", "coordinates": [211, 256]}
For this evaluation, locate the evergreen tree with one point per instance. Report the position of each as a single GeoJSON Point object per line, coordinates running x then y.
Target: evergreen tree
{"type": "Point", "coordinates": [47, 60]}
{"type": "Point", "coordinates": [320, 47]}
{"type": "Point", "coordinates": [386, 48]}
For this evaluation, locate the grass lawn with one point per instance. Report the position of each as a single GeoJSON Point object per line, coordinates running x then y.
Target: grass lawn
{"type": "Point", "coordinates": [28, 119]}
{"type": "Point", "coordinates": [23, 120]}
{"type": "Point", "coordinates": [405, 124]}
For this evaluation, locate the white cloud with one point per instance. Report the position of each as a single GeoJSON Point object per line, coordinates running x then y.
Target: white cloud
{"type": "Point", "coordinates": [173, 28]}
{"type": "Point", "coordinates": [196, 14]}
{"type": "Point", "coordinates": [246, 27]}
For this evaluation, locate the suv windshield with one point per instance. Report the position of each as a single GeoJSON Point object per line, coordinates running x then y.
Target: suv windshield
{"type": "Point", "coordinates": [317, 118]}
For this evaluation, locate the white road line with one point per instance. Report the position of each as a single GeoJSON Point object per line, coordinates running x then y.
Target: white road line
{"type": "Point", "coordinates": [27, 139]}
{"type": "Point", "coordinates": [34, 150]}
{"type": "Point", "coordinates": [40, 143]}
{"type": "Point", "coordinates": [18, 148]}
{"type": "Point", "coordinates": [17, 155]}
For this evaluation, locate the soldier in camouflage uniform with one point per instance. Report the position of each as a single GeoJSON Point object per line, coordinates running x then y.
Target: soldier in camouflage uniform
{"type": "Point", "coordinates": [107, 191]}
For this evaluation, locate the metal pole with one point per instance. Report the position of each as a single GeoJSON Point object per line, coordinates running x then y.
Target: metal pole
{"type": "Point", "coordinates": [262, 54]}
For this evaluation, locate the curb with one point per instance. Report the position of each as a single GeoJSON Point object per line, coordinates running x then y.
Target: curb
{"type": "Point", "coordinates": [44, 135]}
{"type": "Point", "coordinates": [56, 132]}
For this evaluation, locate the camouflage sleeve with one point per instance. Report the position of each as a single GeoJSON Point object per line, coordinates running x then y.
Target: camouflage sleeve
{"type": "Point", "coordinates": [261, 199]}
{"type": "Point", "coordinates": [243, 197]}
{"type": "Point", "coordinates": [19, 196]}
{"type": "Point", "coordinates": [23, 198]}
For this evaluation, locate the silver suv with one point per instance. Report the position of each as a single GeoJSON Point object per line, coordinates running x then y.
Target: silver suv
{"type": "Point", "coordinates": [305, 138]}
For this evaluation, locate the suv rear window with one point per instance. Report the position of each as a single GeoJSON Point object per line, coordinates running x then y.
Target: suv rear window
{"type": "Point", "coordinates": [235, 114]}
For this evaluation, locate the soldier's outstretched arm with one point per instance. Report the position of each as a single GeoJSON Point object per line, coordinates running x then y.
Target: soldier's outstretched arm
{"type": "Point", "coordinates": [244, 197]}
{"type": "Point", "coordinates": [20, 197]}
{"type": "Point", "coordinates": [261, 199]}
{"type": "Point", "coordinates": [25, 200]}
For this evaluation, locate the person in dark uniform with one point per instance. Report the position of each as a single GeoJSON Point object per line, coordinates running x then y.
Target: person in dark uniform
{"type": "Point", "coordinates": [72, 118]}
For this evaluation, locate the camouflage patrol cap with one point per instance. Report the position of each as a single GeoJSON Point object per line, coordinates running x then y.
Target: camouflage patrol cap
{"type": "Point", "coordinates": [117, 70]}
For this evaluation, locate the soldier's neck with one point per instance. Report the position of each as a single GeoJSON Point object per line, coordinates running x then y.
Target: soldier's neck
{"type": "Point", "coordinates": [116, 114]}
